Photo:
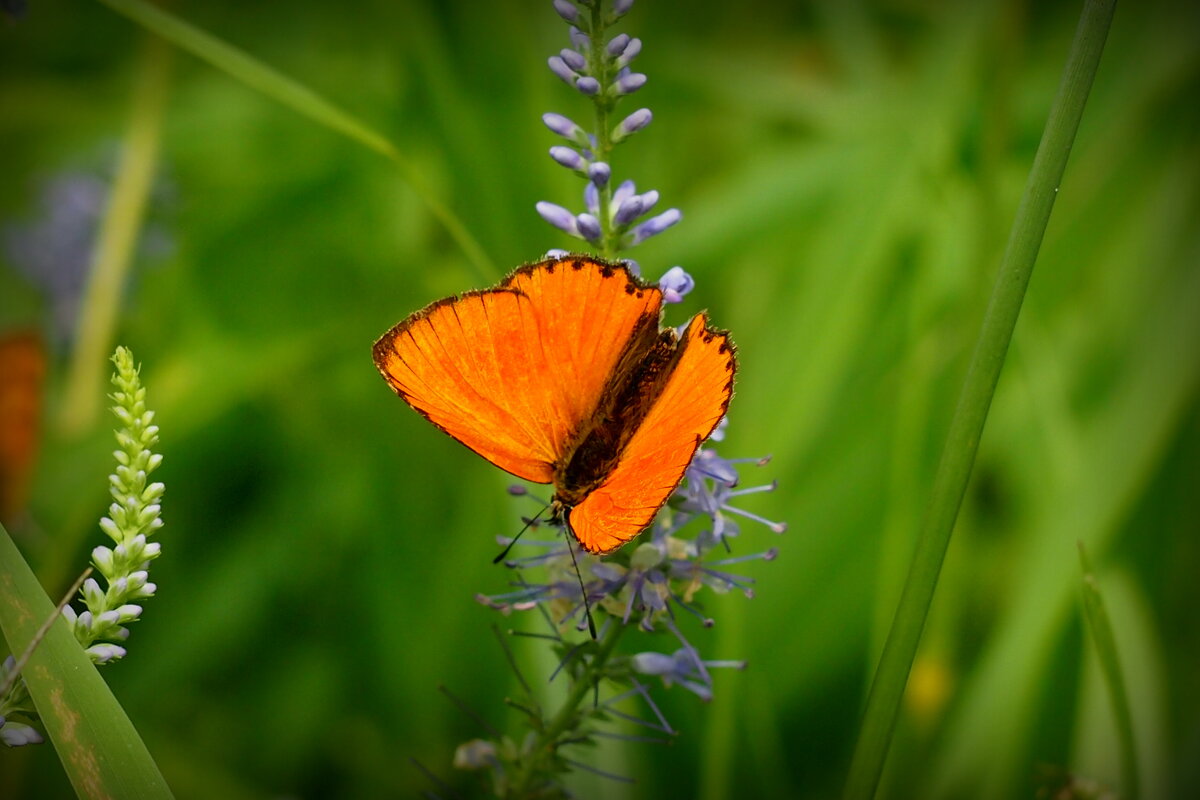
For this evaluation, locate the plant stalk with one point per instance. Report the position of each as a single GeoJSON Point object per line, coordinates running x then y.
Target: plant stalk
{"type": "Point", "coordinates": [966, 426]}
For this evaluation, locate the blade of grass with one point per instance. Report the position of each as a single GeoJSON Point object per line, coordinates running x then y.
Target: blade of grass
{"type": "Point", "coordinates": [257, 75]}
{"type": "Point", "coordinates": [100, 750]}
{"type": "Point", "coordinates": [1100, 629]}
{"type": "Point", "coordinates": [962, 441]}
{"type": "Point", "coordinates": [117, 242]}
{"type": "Point", "coordinates": [20, 661]}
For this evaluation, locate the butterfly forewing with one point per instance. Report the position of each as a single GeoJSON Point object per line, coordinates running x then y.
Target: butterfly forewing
{"type": "Point", "coordinates": [515, 373]}
{"type": "Point", "coordinates": [691, 402]}
{"type": "Point", "coordinates": [589, 316]}
{"type": "Point", "coordinates": [447, 361]}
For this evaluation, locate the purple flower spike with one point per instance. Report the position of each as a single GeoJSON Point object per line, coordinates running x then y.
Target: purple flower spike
{"type": "Point", "coordinates": [620, 7]}
{"type": "Point", "coordinates": [581, 40]}
{"type": "Point", "coordinates": [574, 60]}
{"type": "Point", "coordinates": [558, 216]}
{"type": "Point", "coordinates": [589, 227]}
{"type": "Point", "coordinates": [599, 172]}
{"type": "Point", "coordinates": [560, 68]}
{"type": "Point", "coordinates": [618, 44]}
{"type": "Point", "coordinates": [649, 200]}
{"type": "Point", "coordinates": [675, 283]}
{"type": "Point", "coordinates": [632, 124]}
{"type": "Point", "coordinates": [561, 125]}
{"type": "Point", "coordinates": [568, 158]}
{"type": "Point", "coordinates": [655, 226]}
{"type": "Point", "coordinates": [629, 83]}
{"type": "Point", "coordinates": [567, 10]}
{"type": "Point", "coordinates": [589, 85]}
{"type": "Point", "coordinates": [629, 210]}
{"type": "Point", "coordinates": [631, 52]}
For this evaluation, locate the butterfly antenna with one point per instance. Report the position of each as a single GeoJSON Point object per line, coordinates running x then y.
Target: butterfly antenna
{"type": "Point", "coordinates": [528, 524]}
{"type": "Point", "coordinates": [587, 606]}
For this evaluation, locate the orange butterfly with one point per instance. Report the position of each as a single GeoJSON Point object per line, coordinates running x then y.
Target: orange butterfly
{"type": "Point", "coordinates": [562, 374]}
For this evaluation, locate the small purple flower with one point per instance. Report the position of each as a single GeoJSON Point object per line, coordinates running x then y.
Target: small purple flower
{"type": "Point", "coordinates": [628, 84]}
{"type": "Point", "coordinates": [566, 10]}
{"type": "Point", "coordinates": [633, 266]}
{"type": "Point", "coordinates": [599, 172]}
{"type": "Point", "coordinates": [683, 667]}
{"type": "Point", "coordinates": [573, 59]}
{"type": "Point", "coordinates": [654, 226]}
{"type": "Point", "coordinates": [620, 7]}
{"type": "Point", "coordinates": [628, 210]}
{"type": "Point", "coordinates": [589, 227]}
{"type": "Point", "coordinates": [588, 85]}
{"type": "Point", "coordinates": [581, 40]}
{"type": "Point", "coordinates": [16, 734]}
{"type": "Point", "coordinates": [591, 197]}
{"type": "Point", "coordinates": [560, 68]}
{"type": "Point", "coordinates": [618, 44]}
{"type": "Point", "coordinates": [649, 200]}
{"type": "Point", "coordinates": [624, 191]}
{"type": "Point", "coordinates": [568, 158]}
{"type": "Point", "coordinates": [558, 216]}
{"type": "Point", "coordinates": [675, 283]}
{"type": "Point", "coordinates": [710, 488]}
{"type": "Point", "coordinates": [632, 124]}
{"type": "Point", "coordinates": [630, 53]}
{"type": "Point", "coordinates": [561, 125]}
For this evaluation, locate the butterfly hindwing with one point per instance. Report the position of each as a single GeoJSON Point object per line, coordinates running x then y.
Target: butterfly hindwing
{"type": "Point", "coordinates": [690, 404]}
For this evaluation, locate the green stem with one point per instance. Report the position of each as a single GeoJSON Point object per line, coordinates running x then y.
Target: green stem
{"type": "Point", "coordinates": [117, 241]}
{"type": "Point", "coordinates": [1100, 628]}
{"type": "Point", "coordinates": [603, 150]}
{"type": "Point", "coordinates": [303, 100]}
{"type": "Point", "coordinates": [547, 738]}
{"type": "Point", "coordinates": [962, 441]}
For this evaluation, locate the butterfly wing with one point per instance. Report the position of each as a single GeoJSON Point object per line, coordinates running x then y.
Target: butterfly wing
{"type": "Point", "coordinates": [691, 403]}
{"type": "Point", "coordinates": [512, 372]}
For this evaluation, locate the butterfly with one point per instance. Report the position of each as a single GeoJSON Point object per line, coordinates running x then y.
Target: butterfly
{"type": "Point", "coordinates": [563, 374]}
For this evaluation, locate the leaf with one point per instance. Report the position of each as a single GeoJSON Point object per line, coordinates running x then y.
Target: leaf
{"type": "Point", "coordinates": [100, 750]}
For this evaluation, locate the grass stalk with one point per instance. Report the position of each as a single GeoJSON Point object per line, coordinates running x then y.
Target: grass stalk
{"type": "Point", "coordinates": [966, 426]}
{"type": "Point", "coordinates": [117, 242]}
{"type": "Point", "coordinates": [1100, 630]}
{"type": "Point", "coordinates": [286, 91]}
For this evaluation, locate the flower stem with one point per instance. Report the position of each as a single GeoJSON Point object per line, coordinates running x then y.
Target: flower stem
{"type": "Point", "coordinates": [962, 441]}
{"type": "Point", "coordinates": [117, 241]}
{"type": "Point", "coordinates": [547, 738]}
{"type": "Point", "coordinates": [603, 152]}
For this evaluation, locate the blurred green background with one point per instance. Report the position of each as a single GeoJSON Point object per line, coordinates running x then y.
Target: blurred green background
{"type": "Point", "coordinates": [847, 173]}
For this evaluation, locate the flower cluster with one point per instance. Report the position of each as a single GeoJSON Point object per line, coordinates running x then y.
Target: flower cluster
{"type": "Point", "coordinates": [133, 517]}
{"type": "Point", "coordinates": [600, 70]}
{"type": "Point", "coordinates": [650, 586]}
{"type": "Point", "coordinates": [646, 588]}
{"type": "Point", "coordinates": [650, 583]}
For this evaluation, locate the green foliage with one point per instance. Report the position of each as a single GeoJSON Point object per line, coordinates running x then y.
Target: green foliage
{"type": "Point", "coordinates": [847, 175]}
{"type": "Point", "coordinates": [100, 751]}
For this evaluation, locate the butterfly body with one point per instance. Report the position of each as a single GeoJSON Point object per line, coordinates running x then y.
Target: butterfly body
{"type": "Point", "coordinates": [562, 375]}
